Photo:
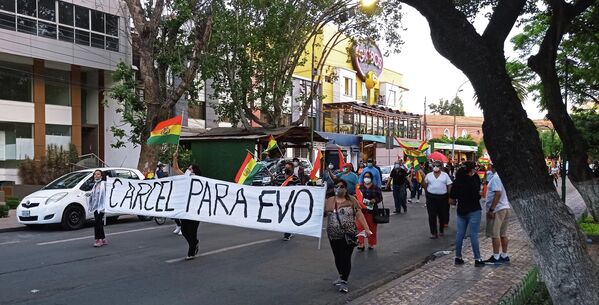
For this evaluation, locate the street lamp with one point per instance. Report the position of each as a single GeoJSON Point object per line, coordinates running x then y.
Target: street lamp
{"type": "Point", "coordinates": [454, 121]}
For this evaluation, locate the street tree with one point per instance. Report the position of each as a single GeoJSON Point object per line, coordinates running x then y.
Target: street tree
{"type": "Point", "coordinates": [257, 45]}
{"type": "Point", "coordinates": [566, 36]}
{"type": "Point", "coordinates": [558, 244]}
{"type": "Point", "coordinates": [170, 38]}
{"type": "Point", "coordinates": [552, 145]}
{"type": "Point", "coordinates": [587, 122]}
{"type": "Point", "coordinates": [444, 107]}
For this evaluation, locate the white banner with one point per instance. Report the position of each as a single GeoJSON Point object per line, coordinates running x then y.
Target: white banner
{"type": "Point", "coordinates": [291, 209]}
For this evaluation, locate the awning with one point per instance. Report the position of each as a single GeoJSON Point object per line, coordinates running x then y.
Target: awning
{"type": "Point", "coordinates": [340, 139]}
{"type": "Point", "coordinates": [457, 147]}
{"type": "Point", "coordinates": [372, 138]}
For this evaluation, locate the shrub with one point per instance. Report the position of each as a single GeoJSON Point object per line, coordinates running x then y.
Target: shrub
{"type": "Point", "coordinates": [3, 210]}
{"type": "Point", "coordinates": [56, 163]}
{"type": "Point", "coordinates": [12, 202]}
{"type": "Point", "coordinates": [589, 226]}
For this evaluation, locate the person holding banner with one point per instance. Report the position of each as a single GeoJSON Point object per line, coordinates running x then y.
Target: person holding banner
{"type": "Point", "coordinates": [96, 205]}
{"type": "Point", "coordinates": [342, 212]}
{"type": "Point", "coordinates": [189, 228]}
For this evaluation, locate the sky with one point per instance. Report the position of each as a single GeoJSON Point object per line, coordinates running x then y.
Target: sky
{"type": "Point", "coordinates": [429, 75]}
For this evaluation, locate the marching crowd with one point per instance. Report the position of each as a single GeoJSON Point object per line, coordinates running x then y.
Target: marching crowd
{"type": "Point", "coordinates": [354, 205]}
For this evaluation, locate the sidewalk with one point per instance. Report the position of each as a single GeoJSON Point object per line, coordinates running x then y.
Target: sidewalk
{"type": "Point", "coordinates": [440, 282]}
{"type": "Point", "coordinates": [10, 223]}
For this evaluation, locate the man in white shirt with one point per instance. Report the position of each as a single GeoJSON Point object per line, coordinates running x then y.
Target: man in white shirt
{"type": "Point", "coordinates": [498, 211]}
{"type": "Point", "coordinates": [437, 185]}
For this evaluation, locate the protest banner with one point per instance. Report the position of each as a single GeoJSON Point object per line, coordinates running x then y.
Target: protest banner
{"type": "Point", "coordinates": [292, 209]}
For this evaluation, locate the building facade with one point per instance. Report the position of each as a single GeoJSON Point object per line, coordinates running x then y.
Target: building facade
{"type": "Point", "coordinates": [56, 61]}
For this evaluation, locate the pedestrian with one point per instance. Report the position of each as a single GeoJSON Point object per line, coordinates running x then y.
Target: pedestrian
{"type": "Point", "coordinates": [160, 173]}
{"type": "Point", "coordinates": [437, 185]}
{"type": "Point", "coordinates": [554, 174]}
{"type": "Point", "coordinates": [416, 189]}
{"type": "Point", "coordinates": [466, 194]}
{"type": "Point", "coordinates": [298, 171]}
{"type": "Point", "coordinates": [189, 228]}
{"type": "Point", "coordinates": [349, 177]}
{"type": "Point", "coordinates": [498, 212]}
{"type": "Point", "coordinates": [399, 177]}
{"type": "Point", "coordinates": [375, 173]}
{"type": "Point", "coordinates": [288, 179]}
{"type": "Point", "coordinates": [343, 212]}
{"type": "Point", "coordinates": [96, 205]}
{"type": "Point", "coordinates": [360, 168]}
{"type": "Point", "coordinates": [372, 195]}
{"type": "Point", "coordinates": [380, 171]}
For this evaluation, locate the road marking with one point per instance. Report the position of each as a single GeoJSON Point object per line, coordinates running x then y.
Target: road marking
{"type": "Point", "coordinates": [10, 242]}
{"type": "Point", "coordinates": [170, 261]}
{"type": "Point", "coordinates": [91, 236]}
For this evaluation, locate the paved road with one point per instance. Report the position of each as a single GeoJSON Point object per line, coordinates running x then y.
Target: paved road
{"type": "Point", "coordinates": [142, 265]}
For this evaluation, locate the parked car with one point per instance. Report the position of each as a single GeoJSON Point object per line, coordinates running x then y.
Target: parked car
{"type": "Point", "coordinates": [386, 171]}
{"type": "Point", "coordinates": [63, 200]}
{"type": "Point", "coordinates": [272, 170]}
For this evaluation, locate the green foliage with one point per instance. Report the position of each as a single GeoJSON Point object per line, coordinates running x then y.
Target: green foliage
{"type": "Point", "coordinates": [587, 122]}
{"type": "Point", "coordinates": [467, 140]}
{"type": "Point", "coordinates": [131, 106]}
{"type": "Point", "coordinates": [551, 143]}
{"type": "Point", "coordinates": [256, 46]}
{"type": "Point", "coordinates": [3, 210]}
{"type": "Point", "coordinates": [12, 202]}
{"type": "Point", "coordinates": [589, 226]}
{"type": "Point", "coordinates": [481, 148]}
{"type": "Point", "coordinates": [166, 155]}
{"type": "Point", "coordinates": [56, 163]}
{"type": "Point", "coordinates": [444, 107]}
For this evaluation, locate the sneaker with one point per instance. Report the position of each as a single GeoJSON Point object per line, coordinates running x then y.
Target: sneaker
{"type": "Point", "coordinates": [180, 233]}
{"type": "Point", "coordinates": [370, 247]}
{"type": "Point", "coordinates": [287, 238]}
{"type": "Point", "coordinates": [434, 236]}
{"type": "Point", "coordinates": [504, 259]}
{"type": "Point", "coordinates": [343, 287]}
{"type": "Point", "coordinates": [177, 230]}
{"type": "Point", "coordinates": [195, 253]}
{"type": "Point", "coordinates": [479, 263]}
{"type": "Point", "coordinates": [360, 248]}
{"type": "Point", "coordinates": [104, 242]}
{"type": "Point", "coordinates": [98, 243]}
{"type": "Point", "coordinates": [418, 200]}
{"type": "Point", "coordinates": [338, 282]}
{"type": "Point", "coordinates": [410, 200]}
{"type": "Point", "coordinates": [458, 261]}
{"type": "Point", "coordinates": [493, 261]}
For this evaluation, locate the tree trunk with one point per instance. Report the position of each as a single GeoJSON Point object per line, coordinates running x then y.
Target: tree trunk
{"type": "Point", "coordinates": [589, 191]}
{"type": "Point", "coordinates": [514, 146]}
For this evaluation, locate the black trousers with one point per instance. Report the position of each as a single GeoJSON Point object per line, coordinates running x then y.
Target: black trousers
{"type": "Point", "coordinates": [189, 230]}
{"type": "Point", "coordinates": [342, 253]}
{"type": "Point", "coordinates": [177, 221]}
{"type": "Point", "coordinates": [99, 225]}
{"type": "Point", "coordinates": [435, 206]}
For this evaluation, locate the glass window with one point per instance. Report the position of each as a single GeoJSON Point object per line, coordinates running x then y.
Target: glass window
{"type": "Point", "coordinates": [66, 34]}
{"type": "Point", "coordinates": [364, 92]}
{"type": "Point", "coordinates": [46, 29]}
{"type": "Point", "coordinates": [65, 13]}
{"type": "Point", "coordinates": [7, 5]}
{"type": "Point", "coordinates": [67, 181]}
{"type": "Point", "coordinates": [112, 44]}
{"type": "Point", "coordinates": [58, 130]}
{"type": "Point", "coordinates": [46, 10]}
{"type": "Point", "coordinates": [16, 82]}
{"type": "Point", "coordinates": [7, 21]}
{"type": "Point", "coordinates": [347, 89]}
{"type": "Point", "coordinates": [16, 141]}
{"type": "Point", "coordinates": [26, 25]}
{"type": "Point", "coordinates": [26, 7]}
{"type": "Point", "coordinates": [97, 41]}
{"type": "Point", "coordinates": [97, 21]}
{"type": "Point", "coordinates": [57, 87]}
{"type": "Point", "coordinates": [446, 133]}
{"type": "Point", "coordinates": [82, 37]}
{"type": "Point", "coordinates": [81, 17]}
{"type": "Point", "coordinates": [112, 25]}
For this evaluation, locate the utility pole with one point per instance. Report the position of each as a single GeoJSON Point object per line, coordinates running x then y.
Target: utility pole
{"type": "Point", "coordinates": [424, 124]}
{"type": "Point", "coordinates": [564, 162]}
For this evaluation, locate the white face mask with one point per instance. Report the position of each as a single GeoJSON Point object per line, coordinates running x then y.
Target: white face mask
{"type": "Point", "coordinates": [396, 165]}
{"type": "Point", "coordinates": [367, 180]}
{"type": "Point", "coordinates": [436, 168]}
{"type": "Point", "coordinates": [295, 164]}
{"type": "Point", "coordinates": [331, 166]}
{"type": "Point", "coordinates": [188, 172]}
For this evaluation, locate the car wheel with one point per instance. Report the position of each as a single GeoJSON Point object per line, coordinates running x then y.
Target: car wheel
{"type": "Point", "coordinates": [73, 218]}
{"type": "Point", "coordinates": [112, 219]}
{"type": "Point", "coordinates": [144, 218]}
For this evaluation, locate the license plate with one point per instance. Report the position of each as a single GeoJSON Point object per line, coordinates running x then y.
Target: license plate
{"type": "Point", "coordinates": [25, 213]}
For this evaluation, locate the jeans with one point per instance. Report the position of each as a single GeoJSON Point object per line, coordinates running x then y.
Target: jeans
{"type": "Point", "coordinates": [435, 205]}
{"type": "Point", "coordinates": [99, 225]}
{"type": "Point", "coordinates": [342, 253]}
{"type": "Point", "coordinates": [400, 195]}
{"type": "Point", "coordinates": [471, 220]}
{"type": "Point", "coordinates": [416, 190]}
{"type": "Point", "coordinates": [189, 230]}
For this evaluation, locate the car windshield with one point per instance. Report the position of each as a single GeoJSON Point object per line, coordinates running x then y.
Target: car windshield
{"type": "Point", "coordinates": [67, 181]}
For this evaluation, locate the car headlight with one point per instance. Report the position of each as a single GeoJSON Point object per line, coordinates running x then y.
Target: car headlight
{"type": "Point", "coordinates": [266, 180]}
{"type": "Point", "coordinates": [56, 197]}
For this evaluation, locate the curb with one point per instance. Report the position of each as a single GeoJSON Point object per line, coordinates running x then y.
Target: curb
{"type": "Point", "coordinates": [13, 229]}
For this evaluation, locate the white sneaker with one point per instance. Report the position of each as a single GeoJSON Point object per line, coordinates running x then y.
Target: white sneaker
{"type": "Point", "coordinates": [177, 230]}
{"type": "Point", "coordinates": [417, 200]}
{"type": "Point", "coordinates": [409, 200]}
{"type": "Point", "coordinates": [180, 233]}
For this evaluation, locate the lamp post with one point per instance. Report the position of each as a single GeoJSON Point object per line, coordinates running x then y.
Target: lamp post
{"type": "Point", "coordinates": [564, 162]}
{"type": "Point", "coordinates": [454, 121]}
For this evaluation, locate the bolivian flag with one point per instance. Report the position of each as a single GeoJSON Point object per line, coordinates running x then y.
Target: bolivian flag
{"type": "Point", "coordinates": [272, 143]}
{"type": "Point", "coordinates": [166, 132]}
{"type": "Point", "coordinates": [248, 170]}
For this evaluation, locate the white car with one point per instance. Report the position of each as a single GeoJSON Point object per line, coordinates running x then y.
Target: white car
{"type": "Point", "coordinates": [63, 200]}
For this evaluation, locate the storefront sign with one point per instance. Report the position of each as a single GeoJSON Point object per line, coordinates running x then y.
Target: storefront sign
{"type": "Point", "coordinates": [367, 57]}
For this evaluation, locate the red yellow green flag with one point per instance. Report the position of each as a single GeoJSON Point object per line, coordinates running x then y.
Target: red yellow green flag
{"type": "Point", "coordinates": [166, 132]}
{"type": "Point", "coordinates": [316, 167]}
{"type": "Point", "coordinates": [289, 179]}
{"type": "Point", "coordinates": [272, 143]}
{"type": "Point", "coordinates": [248, 170]}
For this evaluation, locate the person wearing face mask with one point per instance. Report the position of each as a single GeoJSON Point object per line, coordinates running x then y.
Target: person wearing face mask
{"type": "Point", "coordinates": [375, 173]}
{"type": "Point", "coordinates": [95, 203]}
{"type": "Point", "coordinates": [288, 179]}
{"type": "Point", "coordinates": [343, 212]}
{"type": "Point", "coordinates": [466, 193]}
{"type": "Point", "coordinates": [189, 228]}
{"type": "Point", "coordinates": [399, 176]}
{"type": "Point", "coordinates": [298, 171]}
{"type": "Point", "coordinates": [372, 195]}
{"type": "Point", "coordinates": [349, 177]}
{"type": "Point", "coordinates": [437, 185]}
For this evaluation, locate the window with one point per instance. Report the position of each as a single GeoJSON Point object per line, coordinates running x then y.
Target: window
{"type": "Point", "coordinates": [82, 37]}
{"type": "Point", "coordinates": [97, 41]}
{"type": "Point", "coordinates": [81, 17]}
{"type": "Point", "coordinates": [26, 7]}
{"type": "Point", "coordinates": [26, 25]}
{"type": "Point", "coordinates": [16, 82]}
{"type": "Point", "coordinates": [45, 29]}
{"type": "Point", "coordinates": [57, 87]}
{"type": "Point", "coordinates": [65, 13]}
{"type": "Point", "coordinates": [429, 134]}
{"type": "Point", "coordinates": [66, 33]}
{"type": "Point", "coordinates": [125, 174]}
{"type": "Point", "coordinates": [59, 135]}
{"type": "Point", "coordinates": [348, 82]}
{"type": "Point", "coordinates": [112, 25]}
{"type": "Point", "coordinates": [446, 133]}
{"type": "Point", "coordinates": [392, 98]}
{"type": "Point", "coordinates": [16, 142]}
{"type": "Point", "coordinates": [364, 92]}
{"type": "Point", "coordinates": [7, 5]}
{"type": "Point", "coordinates": [7, 22]}
{"type": "Point", "coordinates": [97, 21]}
{"type": "Point", "coordinates": [464, 133]}
{"type": "Point", "coordinates": [46, 10]}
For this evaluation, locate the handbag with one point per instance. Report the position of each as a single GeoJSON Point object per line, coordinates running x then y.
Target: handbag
{"type": "Point", "coordinates": [380, 215]}
{"type": "Point", "coordinates": [350, 238]}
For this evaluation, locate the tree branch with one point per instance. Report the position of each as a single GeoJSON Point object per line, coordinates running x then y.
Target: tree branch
{"type": "Point", "coordinates": [504, 16]}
